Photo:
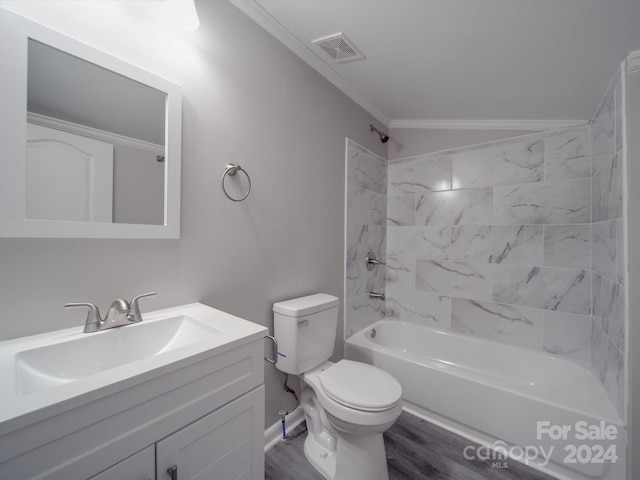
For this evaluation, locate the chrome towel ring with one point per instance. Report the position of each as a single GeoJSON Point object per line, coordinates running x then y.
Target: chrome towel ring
{"type": "Point", "coordinates": [231, 169]}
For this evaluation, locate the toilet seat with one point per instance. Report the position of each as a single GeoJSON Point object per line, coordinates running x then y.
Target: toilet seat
{"type": "Point", "coordinates": [360, 386]}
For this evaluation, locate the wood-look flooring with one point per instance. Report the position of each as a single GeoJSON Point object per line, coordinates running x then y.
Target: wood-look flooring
{"type": "Point", "coordinates": [416, 450]}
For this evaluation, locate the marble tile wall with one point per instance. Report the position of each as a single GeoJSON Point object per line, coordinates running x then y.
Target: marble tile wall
{"type": "Point", "coordinates": [366, 231]}
{"type": "Point", "coordinates": [608, 264]}
{"type": "Point", "coordinates": [495, 240]}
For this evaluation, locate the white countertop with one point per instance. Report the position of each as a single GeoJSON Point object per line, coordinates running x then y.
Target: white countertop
{"type": "Point", "coordinates": [20, 407]}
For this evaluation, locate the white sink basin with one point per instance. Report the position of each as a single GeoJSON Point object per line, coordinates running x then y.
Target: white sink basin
{"type": "Point", "coordinates": [48, 373]}
{"type": "Point", "coordinates": [93, 353]}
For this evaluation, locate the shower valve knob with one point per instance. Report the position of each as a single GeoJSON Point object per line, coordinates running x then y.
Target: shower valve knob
{"type": "Point", "coordinates": [372, 261]}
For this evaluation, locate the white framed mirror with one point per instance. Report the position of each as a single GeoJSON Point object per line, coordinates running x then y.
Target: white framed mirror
{"type": "Point", "coordinates": [89, 144]}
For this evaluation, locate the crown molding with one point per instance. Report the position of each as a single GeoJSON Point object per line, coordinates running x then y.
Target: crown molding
{"type": "Point", "coordinates": [259, 15]}
{"type": "Point", "coordinates": [94, 133]}
{"type": "Point", "coordinates": [633, 63]}
{"type": "Point", "coordinates": [535, 125]}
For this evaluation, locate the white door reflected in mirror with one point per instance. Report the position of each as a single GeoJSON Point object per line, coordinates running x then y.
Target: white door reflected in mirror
{"type": "Point", "coordinates": [69, 177]}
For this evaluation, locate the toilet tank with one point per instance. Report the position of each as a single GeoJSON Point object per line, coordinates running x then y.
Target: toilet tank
{"type": "Point", "coordinates": [305, 328]}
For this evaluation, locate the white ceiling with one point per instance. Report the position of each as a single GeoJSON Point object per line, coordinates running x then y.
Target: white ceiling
{"type": "Point", "coordinates": [528, 62]}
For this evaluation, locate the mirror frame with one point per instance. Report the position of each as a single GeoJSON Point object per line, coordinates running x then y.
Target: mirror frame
{"type": "Point", "coordinates": [15, 31]}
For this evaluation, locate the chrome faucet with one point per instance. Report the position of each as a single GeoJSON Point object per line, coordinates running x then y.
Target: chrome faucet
{"type": "Point", "coordinates": [134, 309]}
{"type": "Point", "coordinates": [120, 313]}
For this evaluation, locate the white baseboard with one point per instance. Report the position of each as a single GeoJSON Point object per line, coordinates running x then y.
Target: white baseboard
{"type": "Point", "coordinates": [273, 434]}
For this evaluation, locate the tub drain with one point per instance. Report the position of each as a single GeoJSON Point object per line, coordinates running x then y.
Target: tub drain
{"type": "Point", "coordinates": [373, 333]}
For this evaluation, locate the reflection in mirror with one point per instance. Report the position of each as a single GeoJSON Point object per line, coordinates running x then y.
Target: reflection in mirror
{"type": "Point", "coordinates": [95, 142]}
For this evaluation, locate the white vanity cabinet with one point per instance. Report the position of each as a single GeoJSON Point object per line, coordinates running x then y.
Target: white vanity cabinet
{"type": "Point", "coordinates": [226, 444]}
{"type": "Point", "coordinates": [199, 408]}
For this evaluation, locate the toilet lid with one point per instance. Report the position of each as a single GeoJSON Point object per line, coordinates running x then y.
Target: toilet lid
{"type": "Point", "coordinates": [360, 386]}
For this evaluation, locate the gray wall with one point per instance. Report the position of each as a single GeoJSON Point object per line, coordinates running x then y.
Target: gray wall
{"type": "Point", "coordinates": [255, 104]}
{"type": "Point", "coordinates": [138, 186]}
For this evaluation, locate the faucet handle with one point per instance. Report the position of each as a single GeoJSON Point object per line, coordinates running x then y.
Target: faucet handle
{"type": "Point", "coordinates": [371, 261]}
{"type": "Point", "coordinates": [93, 322]}
{"type": "Point", "coordinates": [134, 313]}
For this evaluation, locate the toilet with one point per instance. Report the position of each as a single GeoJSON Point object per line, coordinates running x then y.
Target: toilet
{"type": "Point", "coordinates": [347, 405]}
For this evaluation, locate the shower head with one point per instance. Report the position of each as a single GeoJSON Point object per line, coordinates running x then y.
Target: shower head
{"type": "Point", "coordinates": [383, 138]}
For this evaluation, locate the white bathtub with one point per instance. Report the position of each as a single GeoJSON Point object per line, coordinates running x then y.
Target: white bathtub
{"type": "Point", "coordinates": [495, 394]}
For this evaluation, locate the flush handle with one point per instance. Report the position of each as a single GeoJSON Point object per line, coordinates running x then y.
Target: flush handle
{"type": "Point", "coordinates": [275, 349]}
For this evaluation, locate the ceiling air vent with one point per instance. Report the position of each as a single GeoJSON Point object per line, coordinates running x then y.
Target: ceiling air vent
{"type": "Point", "coordinates": [339, 47]}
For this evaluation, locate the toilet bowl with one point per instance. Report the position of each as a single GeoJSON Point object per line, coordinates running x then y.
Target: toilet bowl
{"type": "Point", "coordinates": [358, 396]}
{"type": "Point", "coordinates": [347, 405]}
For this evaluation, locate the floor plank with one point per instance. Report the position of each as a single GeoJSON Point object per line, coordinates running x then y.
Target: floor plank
{"type": "Point", "coordinates": [416, 450]}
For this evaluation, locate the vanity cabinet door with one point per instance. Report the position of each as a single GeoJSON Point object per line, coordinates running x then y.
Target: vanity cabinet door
{"type": "Point", "coordinates": [141, 466]}
{"type": "Point", "coordinates": [226, 444]}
